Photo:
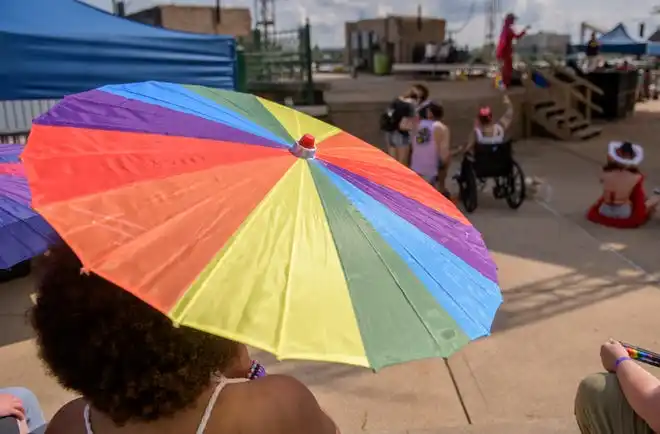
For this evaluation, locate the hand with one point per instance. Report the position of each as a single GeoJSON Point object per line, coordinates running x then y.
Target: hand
{"type": "Point", "coordinates": [610, 351]}
{"type": "Point", "coordinates": [11, 406]}
{"type": "Point", "coordinates": [528, 27]}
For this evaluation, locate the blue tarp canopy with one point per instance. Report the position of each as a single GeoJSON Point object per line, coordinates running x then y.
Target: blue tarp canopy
{"type": "Point", "coordinates": [618, 41]}
{"type": "Point", "coordinates": [52, 48]}
{"type": "Point", "coordinates": [653, 48]}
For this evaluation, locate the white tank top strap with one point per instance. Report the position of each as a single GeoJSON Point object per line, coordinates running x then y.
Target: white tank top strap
{"type": "Point", "coordinates": [222, 382]}
{"type": "Point", "coordinates": [495, 139]}
{"type": "Point", "coordinates": [88, 423]}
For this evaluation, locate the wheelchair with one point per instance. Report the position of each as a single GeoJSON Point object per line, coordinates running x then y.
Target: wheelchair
{"type": "Point", "coordinates": [491, 162]}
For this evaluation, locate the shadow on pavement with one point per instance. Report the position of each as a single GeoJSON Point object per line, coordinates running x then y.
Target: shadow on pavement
{"type": "Point", "coordinates": [558, 295]}
{"type": "Point", "coordinates": [15, 302]}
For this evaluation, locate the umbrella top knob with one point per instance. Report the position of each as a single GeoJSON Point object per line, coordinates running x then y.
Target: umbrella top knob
{"type": "Point", "coordinates": [305, 147]}
{"type": "Point", "coordinates": [307, 141]}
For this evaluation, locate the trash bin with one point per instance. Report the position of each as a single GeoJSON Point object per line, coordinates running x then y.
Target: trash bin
{"type": "Point", "coordinates": [381, 64]}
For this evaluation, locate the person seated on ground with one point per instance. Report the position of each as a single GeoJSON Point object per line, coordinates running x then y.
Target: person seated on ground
{"type": "Point", "coordinates": [20, 412]}
{"type": "Point", "coordinates": [137, 372]}
{"type": "Point", "coordinates": [625, 400]}
{"type": "Point", "coordinates": [430, 147]}
{"type": "Point", "coordinates": [623, 203]}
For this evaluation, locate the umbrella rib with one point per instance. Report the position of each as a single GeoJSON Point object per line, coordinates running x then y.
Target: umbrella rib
{"type": "Point", "coordinates": [287, 287]}
{"type": "Point", "coordinates": [392, 274]}
{"type": "Point", "coordinates": [425, 270]}
{"type": "Point", "coordinates": [201, 100]}
{"type": "Point", "coordinates": [459, 305]}
{"type": "Point", "coordinates": [22, 222]}
{"type": "Point", "coordinates": [160, 227]}
{"type": "Point", "coordinates": [135, 182]}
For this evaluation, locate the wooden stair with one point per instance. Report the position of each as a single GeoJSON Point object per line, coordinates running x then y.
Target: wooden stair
{"type": "Point", "coordinates": [561, 122]}
{"type": "Point", "coordinates": [554, 109]}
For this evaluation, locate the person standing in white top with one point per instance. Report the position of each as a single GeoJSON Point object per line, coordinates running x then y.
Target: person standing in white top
{"type": "Point", "coordinates": [430, 147]}
{"type": "Point", "coordinates": [430, 52]}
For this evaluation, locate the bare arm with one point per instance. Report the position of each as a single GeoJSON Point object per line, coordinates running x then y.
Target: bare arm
{"type": "Point", "coordinates": [68, 419]}
{"type": "Point", "coordinates": [642, 391]}
{"type": "Point", "coordinates": [507, 117]}
{"type": "Point", "coordinates": [472, 141]}
{"type": "Point", "coordinates": [408, 123]}
{"type": "Point", "coordinates": [441, 138]}
{"type": "Point", "coordinates": [289, 406]}
{"type": "Point", "coordinates": [519, 35]}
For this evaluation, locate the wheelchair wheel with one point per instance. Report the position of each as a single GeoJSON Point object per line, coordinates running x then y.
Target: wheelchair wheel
{"type": "Point", "coordinates": [516, 187]}
{"type": "Point", "coordinates": [467, 185]}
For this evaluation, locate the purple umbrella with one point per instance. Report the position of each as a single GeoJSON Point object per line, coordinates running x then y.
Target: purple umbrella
{"type": "Point", "coordinates": [23, 233]}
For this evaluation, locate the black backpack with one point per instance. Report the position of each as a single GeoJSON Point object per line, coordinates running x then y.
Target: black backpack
{"type": "Point", "coordinates": [388, 123]}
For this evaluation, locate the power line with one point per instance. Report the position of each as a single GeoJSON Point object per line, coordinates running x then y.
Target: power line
{"type": "Point", "coordinates": [462, 27]}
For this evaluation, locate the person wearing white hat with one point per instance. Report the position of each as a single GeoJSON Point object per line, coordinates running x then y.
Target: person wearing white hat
{"type": "Point", "coordinates": [623, 203]}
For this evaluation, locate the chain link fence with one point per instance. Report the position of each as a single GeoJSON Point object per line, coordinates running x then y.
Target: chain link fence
{"type": "Point", "coordinates": [282, 57]}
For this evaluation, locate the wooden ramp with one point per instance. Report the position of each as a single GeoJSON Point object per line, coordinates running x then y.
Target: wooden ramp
{"type": "Point", "coordinates": [563, 108]}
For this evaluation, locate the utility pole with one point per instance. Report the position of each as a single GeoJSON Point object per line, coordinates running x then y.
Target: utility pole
{"type": "Point", "coordinates": [492, 16]}
{"type": "Point", "coordinates": [119, 8]}
{"type": "Point", "coordinates": [265, 21]}
{"type": "Point", "coordinates": [218, 15]}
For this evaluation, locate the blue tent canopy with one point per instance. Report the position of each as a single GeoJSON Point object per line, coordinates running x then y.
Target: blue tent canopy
{"type": "Point", "coordinates": [619, 41]}
{"type": "Point", "coordinates": [653, 49]}
{"type": "Point", "coordinates": [52, 48]}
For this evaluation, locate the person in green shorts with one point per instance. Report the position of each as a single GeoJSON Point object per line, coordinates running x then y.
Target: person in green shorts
{"type": "Point", "coordinates": [624, 400]}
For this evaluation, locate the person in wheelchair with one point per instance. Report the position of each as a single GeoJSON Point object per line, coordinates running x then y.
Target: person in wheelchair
{"type": "Point", "coordinates": [488, 154]}
{"type": "Point", "coordinates": [430, 147]}
{"type": "Point", "coordinates": [623, 203]}
{"type": "Point", "coordinates": [488, 132]}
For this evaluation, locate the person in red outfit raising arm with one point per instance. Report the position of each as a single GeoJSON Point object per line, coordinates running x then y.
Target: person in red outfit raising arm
{"type": "Point", "coordinates": [505, 48]}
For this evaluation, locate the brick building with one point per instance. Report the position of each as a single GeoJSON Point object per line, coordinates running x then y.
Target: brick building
{"type": "Point", "coordinates": [236, 22]}
{"type": "Point", "coordinates": [399, 36]}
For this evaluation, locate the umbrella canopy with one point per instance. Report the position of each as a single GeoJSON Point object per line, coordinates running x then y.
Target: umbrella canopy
{"type": "Point", "coordinates": [213, 208]}
{"type": "Point", "coordinates": [23, 233]}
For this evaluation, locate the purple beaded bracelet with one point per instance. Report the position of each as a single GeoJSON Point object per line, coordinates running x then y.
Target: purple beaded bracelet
{"type": "Point", "coordinates": [256, 370]}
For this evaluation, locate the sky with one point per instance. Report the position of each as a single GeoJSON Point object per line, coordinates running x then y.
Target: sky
{"type": "Point", "coordinates": [327, 17]}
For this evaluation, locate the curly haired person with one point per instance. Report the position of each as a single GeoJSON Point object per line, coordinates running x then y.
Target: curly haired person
{"type": "Point", "coordinates": [138, 373]}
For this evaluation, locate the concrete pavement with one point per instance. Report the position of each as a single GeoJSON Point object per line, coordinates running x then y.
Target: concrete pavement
{"type": "Point", "coordinates": [567, 285]}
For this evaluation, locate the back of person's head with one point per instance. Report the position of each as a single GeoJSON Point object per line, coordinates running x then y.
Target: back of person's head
{"type": "Point", "coordinates": [432, 111]}
{"type": "Point", "coordinates": [626, 150]}
{"type": "Point", "coordinates": [421, 91]}
{"type": "Point", "coordinates": [127, 359]}
{"type": "Point", "coordinates": [485, 116]}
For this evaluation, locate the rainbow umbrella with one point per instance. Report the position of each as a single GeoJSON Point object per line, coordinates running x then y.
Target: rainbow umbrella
{"type": "Point", "coordinates": [209, 206]}
{"type": "Point", "coordinates": [23, 233]}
